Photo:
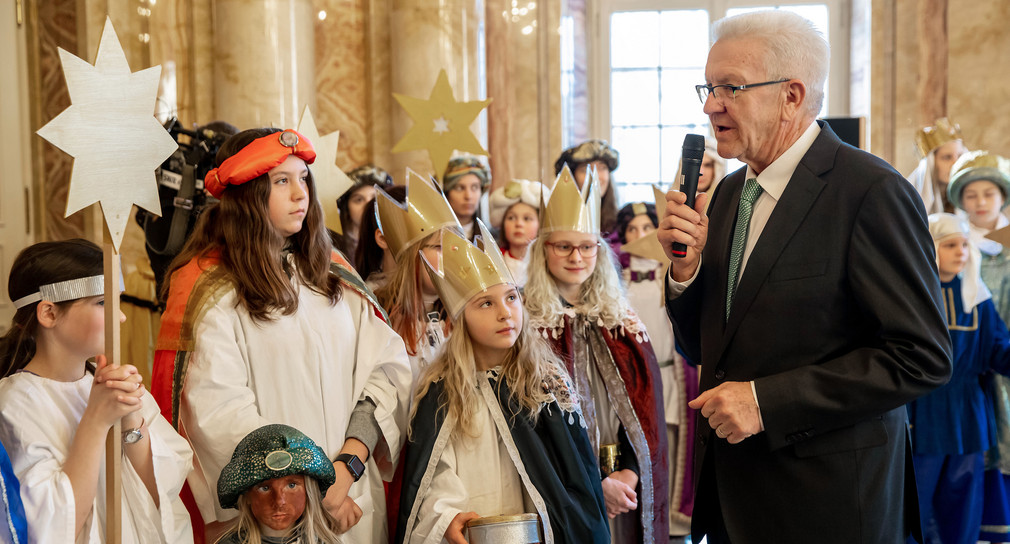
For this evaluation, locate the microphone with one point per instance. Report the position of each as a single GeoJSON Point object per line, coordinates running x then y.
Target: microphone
{"type": "Point", "coordinates": [690, 167]}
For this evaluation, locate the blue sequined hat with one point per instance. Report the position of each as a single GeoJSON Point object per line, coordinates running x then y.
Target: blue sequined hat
{"type": "Point", "coordinates": [272, 451]}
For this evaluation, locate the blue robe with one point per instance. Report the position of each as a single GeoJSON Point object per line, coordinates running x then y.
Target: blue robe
{"type": "Point", "coordinates": [957, 417]}
{"type": "Point", "coordinates": [16, 527]}
{"type": "Point", "coordinates": [953, 425]}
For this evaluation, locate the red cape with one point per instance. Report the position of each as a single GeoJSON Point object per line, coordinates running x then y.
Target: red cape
{"type": "Point", "coordinates": [636, 364]}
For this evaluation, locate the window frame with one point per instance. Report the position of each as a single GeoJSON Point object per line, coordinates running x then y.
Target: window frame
{"type": "Point", "coordinates": [598, 50]}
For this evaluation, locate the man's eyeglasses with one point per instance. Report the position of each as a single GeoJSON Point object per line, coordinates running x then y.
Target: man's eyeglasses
{"type": "Point", "coordinates": [729, 91]}
{"type": "Point", "coordinates": [564, 249]}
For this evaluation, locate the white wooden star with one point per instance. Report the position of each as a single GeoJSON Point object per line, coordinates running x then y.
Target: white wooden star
{"type": "Point", "coordinates": [441, 125]}
{"type": "Point", "coordinates": [331, 181]}
{"type": "Point", "coordinates": [112, 134]}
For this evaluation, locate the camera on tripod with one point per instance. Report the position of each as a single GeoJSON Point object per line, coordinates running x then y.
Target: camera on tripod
{"type": "Point", "coordinates": [180, 190]}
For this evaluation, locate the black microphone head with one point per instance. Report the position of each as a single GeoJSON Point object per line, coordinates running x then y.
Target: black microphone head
{"type": "Point", "coordinates": [694, 147]}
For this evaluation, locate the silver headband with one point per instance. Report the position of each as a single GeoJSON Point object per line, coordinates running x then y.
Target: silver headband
{"type": "Point", "coordinates": [65, 290]}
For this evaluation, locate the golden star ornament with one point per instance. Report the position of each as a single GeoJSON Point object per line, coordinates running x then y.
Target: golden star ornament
{"type": "Point", "coordinates": [112, 134]}
{"type": "Point", "coordinates": [331, 181]}
{"type": "Point", "coordinates": [441, 124]}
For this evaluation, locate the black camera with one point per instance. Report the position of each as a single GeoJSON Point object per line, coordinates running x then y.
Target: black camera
{"type": "Point", "coordinates": [180, 190]}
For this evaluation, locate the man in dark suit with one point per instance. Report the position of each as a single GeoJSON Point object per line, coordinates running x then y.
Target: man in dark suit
{"type": "Point", "coordinates": [809, 295]}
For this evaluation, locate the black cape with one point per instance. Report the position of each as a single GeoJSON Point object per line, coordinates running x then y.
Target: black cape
{"type": "Point", "coordinates": [555, 453]}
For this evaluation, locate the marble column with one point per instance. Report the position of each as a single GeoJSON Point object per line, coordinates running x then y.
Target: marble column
{"type": "Point", "coordinates": [51, 25]}
{"type": "Point", "coordinates": [524, 79]}
{"type": "Point", "coordinates": [264, 61]}
{"type": "Point", "coordinates": [181, 41]}
{"type": "Point", "coordinates": [425, 37]}
{"type": "Point", "coordinates": [976, 90]}
{"type": "Point", "coordinates": [932, 91]}
{"type": "Point", "coordinates": [342, 67]}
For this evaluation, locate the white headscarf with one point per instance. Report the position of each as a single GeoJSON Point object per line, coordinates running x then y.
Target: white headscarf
{"type": "Point", "coordinates": [518, 190]}
{"type": "Point", "coordinates": [928, 188]}
{"type": "Point", "coordinates": [973, 291]}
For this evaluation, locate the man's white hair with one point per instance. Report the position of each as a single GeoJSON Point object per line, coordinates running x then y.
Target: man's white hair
{"type": "Point", "coordinates": [795, 49]}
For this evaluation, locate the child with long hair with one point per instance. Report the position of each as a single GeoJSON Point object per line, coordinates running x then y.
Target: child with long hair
{"type": "Point", "coordinates": [574, 297]}
{"type": "Point", "coordinates": [375, 262]}
{"type": "Point", "coordinates": [267, 324]}
{"type": "Point", "coordinates": [276, 479]}
{"type": "Point", "coordinates": [351, 206]}
{"type": "Point", "coordinates": [410, 230]}
{"type": "Point", "coordinates": [495, 424]}
{"type": "Point", "coordinates": [58, 409]}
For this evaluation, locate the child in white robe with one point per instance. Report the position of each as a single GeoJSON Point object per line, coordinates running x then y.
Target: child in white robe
{"type": "Point", "coordinates": [265, 323]}
{"type": "Point", "coordinates": [57, 409]}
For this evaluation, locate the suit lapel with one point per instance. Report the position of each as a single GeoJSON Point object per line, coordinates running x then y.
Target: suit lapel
{"type": "Point", "coordinates": [799, 196]}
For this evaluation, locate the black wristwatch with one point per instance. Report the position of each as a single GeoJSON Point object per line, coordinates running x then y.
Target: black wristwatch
{"type": "Point", "coordinates": [354, 465]}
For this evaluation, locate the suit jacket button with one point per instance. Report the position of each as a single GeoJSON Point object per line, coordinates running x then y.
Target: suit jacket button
{"type": "Point", "coordinates": [719, 374]}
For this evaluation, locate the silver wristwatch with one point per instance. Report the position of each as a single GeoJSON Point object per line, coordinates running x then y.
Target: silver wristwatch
{"type": "Point", "coordinates": [132, 436]}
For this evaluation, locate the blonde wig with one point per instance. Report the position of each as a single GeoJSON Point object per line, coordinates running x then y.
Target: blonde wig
{"type": "Point", "coordinates": [315, 526]}
{"type": "Point", "coordinates": [528, 367]}
{"type": "Point", "coordinates": [601, 297]}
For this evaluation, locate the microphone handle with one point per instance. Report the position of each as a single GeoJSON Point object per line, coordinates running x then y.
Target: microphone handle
{"type": "Point", "coordinates": [691, 169]}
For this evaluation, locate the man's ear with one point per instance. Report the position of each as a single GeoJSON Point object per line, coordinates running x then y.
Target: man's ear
{"type": "Point", "coordinates": [796, 99]}
{"type": "Point", "coordinates": [380, 239]}
{"type": "Point", "coordinates": [45, 313]}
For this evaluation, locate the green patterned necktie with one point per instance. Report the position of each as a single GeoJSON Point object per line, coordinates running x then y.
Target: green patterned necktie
{"type": "Point", "coordinates": [751, 192]}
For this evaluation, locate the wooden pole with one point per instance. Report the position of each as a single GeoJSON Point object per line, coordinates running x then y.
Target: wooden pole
{"type": "Point", "coordinates": [113, 442]}
{"type": "Point", "coordinates": [111, 100]}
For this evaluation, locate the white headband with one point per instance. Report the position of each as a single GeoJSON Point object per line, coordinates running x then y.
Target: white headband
{"type": "Point", "coordinates": [65, 290]}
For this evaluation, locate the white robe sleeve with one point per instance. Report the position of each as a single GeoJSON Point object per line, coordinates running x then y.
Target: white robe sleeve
{"type": "Point", "coordinates": [445, 497]}
{"type": "Point", "coordinates": [383, 369]}
{"type": "Point", "coordinates": [172, 459]}
{"type": "Point", "coordinates": [218, 407]}
{"type": "Point", "coordinates": [46, 492]}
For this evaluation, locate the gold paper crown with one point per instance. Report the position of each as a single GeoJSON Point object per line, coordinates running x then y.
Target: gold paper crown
{"type": "Point", "coordinates": [425, 211]}
{"type": "Point", "coordinates": [467, 269]}
{"type": "Point", "coordinates": [572, 209]}
{"type": "Point", "coordinates": [930, 138]}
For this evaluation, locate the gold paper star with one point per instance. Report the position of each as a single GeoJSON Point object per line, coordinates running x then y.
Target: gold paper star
{"type": "Point", "coordinates": [111, 132]}
{"type": "Point", "coordinates": [441, 124]}
{"type": "Point", "coordinates": [331, 181]}
{"type": "Point", "coordinates": [648, 246]}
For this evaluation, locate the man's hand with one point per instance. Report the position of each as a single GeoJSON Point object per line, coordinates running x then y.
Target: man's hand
{"type": "Point", "coordinates": [680, 223]}
{"type": "Point", "coordinates": [731, 410]}
{"type": "Point", "coordinates": [454, 532]}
